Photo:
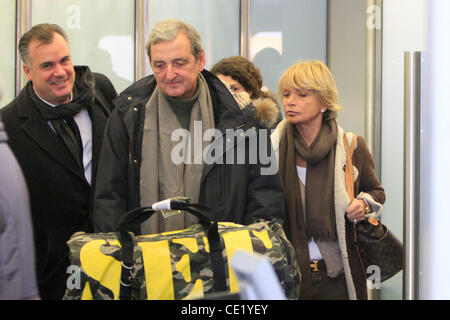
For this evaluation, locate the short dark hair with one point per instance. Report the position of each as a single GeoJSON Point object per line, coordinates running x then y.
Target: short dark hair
{"type": "Point", "coordinates": [43, 32]}
{"type": "Point", "coordinates": [243, 71]}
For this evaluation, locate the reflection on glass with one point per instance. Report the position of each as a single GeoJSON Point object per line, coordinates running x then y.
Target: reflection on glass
{"type": "Point", "coordinates": [8, 51]}
{"type": "Point", "coordinates": [266, 42]}
{"type": "Point", "coordinates": [101, 34]}
{"type": "Point", "coordinates": [284, 31]}
{"type": "Point", "coordinates": [120, 49]}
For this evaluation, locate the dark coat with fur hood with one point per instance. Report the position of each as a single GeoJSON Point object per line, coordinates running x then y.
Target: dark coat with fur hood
{"type": "Point", "coordinates": [263, 112]}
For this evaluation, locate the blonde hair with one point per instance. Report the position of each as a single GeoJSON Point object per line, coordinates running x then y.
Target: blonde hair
{"type": "Point", "coordinates": [313, 75]}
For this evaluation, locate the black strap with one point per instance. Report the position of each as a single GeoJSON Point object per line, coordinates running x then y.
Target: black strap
{"type": "Point", "coordinates": [217, 261]}
{"type": "Point", "coordinates": [139, 215]}
{"type": "Point", "coordinates": [127, 279]}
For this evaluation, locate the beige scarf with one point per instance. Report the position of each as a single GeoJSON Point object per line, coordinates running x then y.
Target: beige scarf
{"type": "Point", "coordinates": [161, 177]}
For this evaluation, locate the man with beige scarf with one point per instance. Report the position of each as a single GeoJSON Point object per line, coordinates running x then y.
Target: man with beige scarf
{"type": "Point", "coordinates": [136, 165]}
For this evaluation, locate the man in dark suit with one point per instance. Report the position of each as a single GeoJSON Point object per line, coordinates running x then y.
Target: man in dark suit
{"type": "Point", "coordinates": [55, 127]}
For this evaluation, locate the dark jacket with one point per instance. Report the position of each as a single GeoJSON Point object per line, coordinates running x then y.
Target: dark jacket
{"type": "Point", "coordinates": [236, 192]}
{"type": "Point", "coordinates": [60, 195]}
{"type": "Point", "coordinates": [17, 268]}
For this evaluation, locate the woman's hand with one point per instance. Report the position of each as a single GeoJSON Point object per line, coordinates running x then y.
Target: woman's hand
{"type": "Point", "coordinates": [356, 210]}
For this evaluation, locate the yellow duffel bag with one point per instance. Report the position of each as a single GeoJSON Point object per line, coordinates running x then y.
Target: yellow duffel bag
{"type": "Point", "coordinates": [184, 264]}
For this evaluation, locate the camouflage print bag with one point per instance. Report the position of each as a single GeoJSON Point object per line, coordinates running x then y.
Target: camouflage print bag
{"type": "Point", "coordinates": [184, 264]}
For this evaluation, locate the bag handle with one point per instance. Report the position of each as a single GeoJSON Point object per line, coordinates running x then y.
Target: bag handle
{"type": "Point", "coordinates": [139, 215]}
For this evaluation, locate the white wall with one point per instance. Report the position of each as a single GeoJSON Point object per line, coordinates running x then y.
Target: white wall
{"type": "Point", "coordinates": [435, 158]}
{"type": "Point", "coordinates": [404, 29]}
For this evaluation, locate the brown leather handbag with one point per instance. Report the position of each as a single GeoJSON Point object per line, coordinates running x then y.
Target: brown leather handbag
{"type": "Point", "coordinates": [375, 243]}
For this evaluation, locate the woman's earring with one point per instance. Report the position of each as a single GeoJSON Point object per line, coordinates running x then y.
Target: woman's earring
{"type": "Point", "coordinates": [323, 110]}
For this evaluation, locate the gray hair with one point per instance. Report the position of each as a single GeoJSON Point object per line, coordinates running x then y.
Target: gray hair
{"type": "Point", "coordinates": [44, 33]}
{"type": "Point", "coordinates": [167, 30]}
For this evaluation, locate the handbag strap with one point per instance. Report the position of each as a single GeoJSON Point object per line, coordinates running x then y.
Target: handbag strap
{"type": "Point", "coordinates": [349, 174]}
{"type": "Point", "coordinates": [349, 167]}
{"type": "Point", "coordinates": [349, 185]}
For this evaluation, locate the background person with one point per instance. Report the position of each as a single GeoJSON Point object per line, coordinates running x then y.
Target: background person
{"type": "Point", "coordinates": [55, 127]}
{"type": "Point", "coordinates": [309, 146]}
{"type": "Point", "coordinates": [243, 77]}
{"type": "Point", "coordinates": [17, 263]}
{"type": "Point", "coordinates": [136, 168]}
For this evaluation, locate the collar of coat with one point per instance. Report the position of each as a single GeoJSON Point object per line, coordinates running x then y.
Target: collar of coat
{"type": "Point", "coordinates": [83, 77]}
{"type": "Point", "coordinates": [227, 114]}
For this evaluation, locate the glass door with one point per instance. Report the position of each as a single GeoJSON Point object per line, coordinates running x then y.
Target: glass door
{"type": "Point", "coordinates": [8, 51]}
{"type": "Point", "coordinates": [283, 32]}
{"type": "Point", "coordinates": [100, 32]}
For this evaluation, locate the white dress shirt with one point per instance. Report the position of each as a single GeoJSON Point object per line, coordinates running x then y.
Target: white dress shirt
{"type": "Point", "coordinates": [84, 123]}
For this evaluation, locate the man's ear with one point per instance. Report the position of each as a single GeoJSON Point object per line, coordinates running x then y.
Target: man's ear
{"type": "Point", "coordinates": [201, 61]}
{"type": "Point", "coordinates": [27, 71]}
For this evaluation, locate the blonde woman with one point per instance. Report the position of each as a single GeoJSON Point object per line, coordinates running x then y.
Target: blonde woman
{"type": "Point", "coordinates": [319, 215]}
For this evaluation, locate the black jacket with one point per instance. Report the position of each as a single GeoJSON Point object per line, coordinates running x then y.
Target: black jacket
{"type": "Point", "coordinates": [59, 192]}
{"type": "Point", "coordinates": [236, 192]}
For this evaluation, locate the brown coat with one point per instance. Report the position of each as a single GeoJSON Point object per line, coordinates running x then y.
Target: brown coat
{"type": "Point", "coordinates": [367, 186]}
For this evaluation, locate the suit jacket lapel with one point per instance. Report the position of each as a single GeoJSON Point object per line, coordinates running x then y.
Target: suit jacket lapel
{"type": "Point", "coordinates": [40, 132]}
{"type": "Point", "coordinates": [98, 115]}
